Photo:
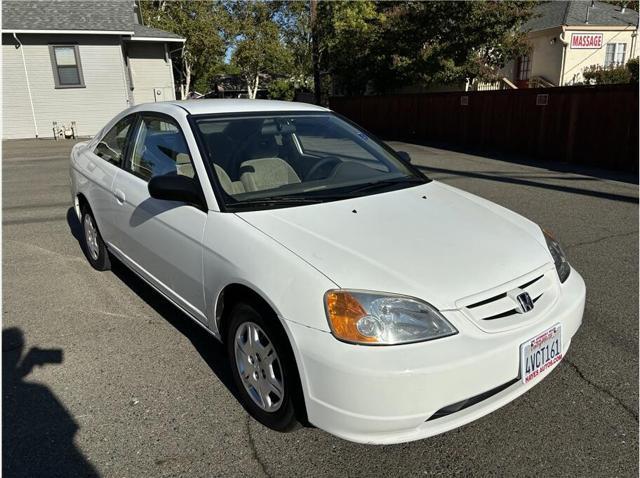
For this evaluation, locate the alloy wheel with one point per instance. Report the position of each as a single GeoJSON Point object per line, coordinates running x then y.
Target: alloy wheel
{"type": "Point", "coordinates": [91, 237]}
{"type": "Point", "coordinates": [259, 366]}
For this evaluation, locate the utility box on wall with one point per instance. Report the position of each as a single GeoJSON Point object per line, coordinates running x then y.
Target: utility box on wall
{"type": "Point", "coordinates": [163, 93]}
{"type": "Point", "coordinates": [158, 94]}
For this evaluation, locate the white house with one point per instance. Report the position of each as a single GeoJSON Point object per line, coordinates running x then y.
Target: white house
{"type": "Point", "coordinates": [567, 37]}
{"type": "Point", "coordinates": [79, 63]}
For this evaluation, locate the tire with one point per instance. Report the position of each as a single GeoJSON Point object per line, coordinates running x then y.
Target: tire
{"type": "Point", "coordinates": [94, 247]}
{"type": "Point", "coordinates": [278, 365]}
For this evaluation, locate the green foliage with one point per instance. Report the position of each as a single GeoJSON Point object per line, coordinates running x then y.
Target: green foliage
{"type": "Point", "coordinates": [631, 4]}
{"type": "Point", "coordinates": [203, 24]}
{"type": "Point", "coordinates": [632, 66]}
{"type": "Point", "coordinates": [349, 37]}
{"type": "Point", "coordinates": [386, 44]}
{"type": "Point", "coordinates": [359, 45]}
{"type": "Point", "coordinates": [434, 42]}
{"type": "Point", "coordinates": [281, 89]}
{"type": "Point", "coordinates": [294, 18]}
{"type": "Point", "coordinates": [258, 45]}
{"type": "Point", "coordinates": [600, 75]}
{"type": "Point", "coordinates": [202, 83]}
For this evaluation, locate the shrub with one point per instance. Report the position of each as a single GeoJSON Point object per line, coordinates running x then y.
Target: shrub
{"type": "Point", "coordinates": [601, 75]}
{"type": "Point", "coordinates": [632, 66]}
{"type": "Point", "coordinates": [281, 90]}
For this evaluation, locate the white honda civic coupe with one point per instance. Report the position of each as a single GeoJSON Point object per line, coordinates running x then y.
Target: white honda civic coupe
{"type": "Point", "coordinates": [351, 291]}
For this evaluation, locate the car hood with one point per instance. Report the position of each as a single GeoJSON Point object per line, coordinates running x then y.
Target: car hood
{"type": "Point", "coordinates": [431, 241]}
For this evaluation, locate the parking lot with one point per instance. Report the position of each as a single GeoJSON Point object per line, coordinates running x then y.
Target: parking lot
{"type": "Point", "coordinates": [102, 376]}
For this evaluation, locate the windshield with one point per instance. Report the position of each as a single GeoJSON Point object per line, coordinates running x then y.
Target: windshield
{"type": "Point", "coordinates": [277, 160]}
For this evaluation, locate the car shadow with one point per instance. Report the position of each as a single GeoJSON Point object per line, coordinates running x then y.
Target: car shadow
{"type": "Point", "coordinates": [210, 349]}
{"type": "Point", "coordinates": [563, 167]}
{"type": "Point", "coordinates": [37, 430]}
{"type": "Point", "coordinates": [529, 183]}
{"type": "Point", "coordinates": [74, 226]}
{"type": "Point", "coordinates": [148, 209]}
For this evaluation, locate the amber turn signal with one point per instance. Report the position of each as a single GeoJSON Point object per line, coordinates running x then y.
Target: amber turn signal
{"type": "Point", "coordinates": [344, 311]}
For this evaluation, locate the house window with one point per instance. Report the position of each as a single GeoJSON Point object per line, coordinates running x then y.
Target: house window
{"type": "Point", "coordinates": [524, 67]}
{"type": "Point", "coordinates": [67, 69]}
{"type": "Point", "coordinates": [615, 54]}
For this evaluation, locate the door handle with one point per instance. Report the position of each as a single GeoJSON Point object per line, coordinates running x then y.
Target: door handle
{"type": "Point", "coordinates": [120, 197]}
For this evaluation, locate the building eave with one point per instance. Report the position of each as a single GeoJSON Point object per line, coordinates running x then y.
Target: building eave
{"type": "Point", "coordinates": [601, 27]}
{"type": "Point", "coordinates": [544, 31]}
{"type": "Point", "coordinates": [157, 39]}
{"type": "Point", "coordinates": [68, 32]}
{"type": "Point", "coordinates": [582, 27]}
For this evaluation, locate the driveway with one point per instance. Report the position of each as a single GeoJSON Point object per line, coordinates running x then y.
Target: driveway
{"type": "Point", "coordinates": [103, 376]}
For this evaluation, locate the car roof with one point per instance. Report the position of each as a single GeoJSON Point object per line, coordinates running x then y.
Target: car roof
{"type": "Point", "coordinates": [216, 106]}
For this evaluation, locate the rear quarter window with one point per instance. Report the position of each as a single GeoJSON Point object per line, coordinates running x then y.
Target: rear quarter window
{"type": "Point", "coordinates": [112, 146]}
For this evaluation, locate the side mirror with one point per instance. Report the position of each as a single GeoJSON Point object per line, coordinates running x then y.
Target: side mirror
{"type": "Point", "coordinates": [172, 187]}
{"type": "Point", "coordinates": [404, 156]}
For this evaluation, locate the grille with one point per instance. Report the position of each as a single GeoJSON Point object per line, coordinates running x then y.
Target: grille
{"type": "Point", "coordinates": [498, 297]}
{"type": "Point", "coordinates": [497, 311]}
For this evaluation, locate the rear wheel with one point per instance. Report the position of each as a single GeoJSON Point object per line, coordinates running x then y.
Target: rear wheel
{"type": "Point", "coordinates": [263, 367]}
{"type": "Point", "coordinates": [94, 247]}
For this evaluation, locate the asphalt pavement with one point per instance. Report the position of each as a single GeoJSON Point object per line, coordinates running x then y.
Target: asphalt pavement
{"type": "Point", "coordinates": [102, 376]}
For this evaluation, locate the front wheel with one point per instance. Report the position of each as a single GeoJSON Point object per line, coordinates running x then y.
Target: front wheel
{"type": "Point", "coordinates": [94, 247]}
{"type": "Point", "coordinates": [263, 367]}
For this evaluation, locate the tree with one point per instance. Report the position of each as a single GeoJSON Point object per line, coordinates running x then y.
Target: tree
{"type": "Point", "coordinates": [436, 42]}
{"type": "Point", "coordinates": [632, 4]}
{"type": "Point", "coordinates": [348, 41]}
{"type": "Point", "coordinates": [380, 45]}
{"type": "Point", "coordinates": [281, 89]}
{"type": "Point", "coordinates": [204, 25]}
{"type": "Point", "coordinates": [632, 66]}
{"type": "Point", "coordinates": [357, 45]}
{"type": "Point", "coordinates": [258, 47]}
{"type": "Point", "coordinates": [295, 22]}
{"type": "Point", "coordinates": [315, 51]}
{"type": "Point", "coordinates": [325, 37]}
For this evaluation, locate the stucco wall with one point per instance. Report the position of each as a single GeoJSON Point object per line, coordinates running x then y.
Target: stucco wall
{"type": "Point", "coordinates": [546, 55]}
{"type": "Point", "coordinates": [150, 71]}
{"type": "Point", "coordinates": [103, 96]}
{"type": "Point", "coordinates": [578, 59]}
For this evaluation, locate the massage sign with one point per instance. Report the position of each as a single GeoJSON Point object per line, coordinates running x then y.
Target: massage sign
{"type": "Point", "coordinates": [586, 40]}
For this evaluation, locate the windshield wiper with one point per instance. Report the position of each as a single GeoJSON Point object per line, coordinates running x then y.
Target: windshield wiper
{"type": "Point", "coordinates": [276, 201]}
{"type": "Point", "coordinates": [372, 185]}
{"type": "Point", "coordinates": [284, 201]}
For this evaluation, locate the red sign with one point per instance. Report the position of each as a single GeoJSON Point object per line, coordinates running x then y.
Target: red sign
{"type": "Point", "coordinates": [586, 40]}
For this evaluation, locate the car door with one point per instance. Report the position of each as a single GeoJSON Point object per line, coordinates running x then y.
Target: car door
{"type": "Point", "coordinates": [161, 240]}
{"type": "Point", "coordinates": [99, 166]}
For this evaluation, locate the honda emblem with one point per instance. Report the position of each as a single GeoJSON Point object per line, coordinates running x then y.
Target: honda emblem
{"type": "Point", "coordinates": [525, 304]}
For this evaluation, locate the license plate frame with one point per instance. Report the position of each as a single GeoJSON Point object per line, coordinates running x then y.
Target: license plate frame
{"type": "Point", "coordinates": [540, 353]}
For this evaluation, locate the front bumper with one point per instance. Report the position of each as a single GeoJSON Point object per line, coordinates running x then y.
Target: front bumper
{"type": "Point", "coordinates": [384, 395]}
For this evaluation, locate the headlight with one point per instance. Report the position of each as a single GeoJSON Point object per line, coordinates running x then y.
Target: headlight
{"type": "Point", "coordinates": [562, 265]}
{"type": "Point", "coordinates": [370, 318]}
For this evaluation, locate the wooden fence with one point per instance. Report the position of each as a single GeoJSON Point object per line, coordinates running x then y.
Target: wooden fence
{"type": "Point", "coordinates": [596, 126]}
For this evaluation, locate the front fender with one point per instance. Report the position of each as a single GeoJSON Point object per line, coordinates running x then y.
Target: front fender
{"type": "Point", "coordinates": [237, 252]}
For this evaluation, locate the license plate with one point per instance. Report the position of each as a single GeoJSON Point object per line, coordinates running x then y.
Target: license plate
{"type": "Point", "coordinates": [540, 353]}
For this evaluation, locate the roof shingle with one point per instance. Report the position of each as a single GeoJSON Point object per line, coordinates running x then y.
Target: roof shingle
{"type": "Point", "coordinates": [574, 13]}
{"type": "Point", "coordinates": [148, 32]}
{"type": "Point", "coordinates": [114, 15]}
{"type": "Point", "coordinates": [81, 15]}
